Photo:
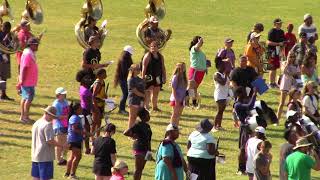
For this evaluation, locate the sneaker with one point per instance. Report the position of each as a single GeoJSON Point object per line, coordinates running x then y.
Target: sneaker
{"type": "Point", "coordinates": [63, 162]}
{"type": "Point", "coordinates": [123, 112]}
{"type": "Point", "coordinates": [5, 97]}
{"type": "Point", "coordinates": [66, 175]}
{"type": "Point", "coordinates": [73, 177]}
{"type": "Point", "coordinates": [156, 110]}
{"type": "Point", "coordinates": [214, 129]}
{"type": "Point", "coordinates": [241, 173]}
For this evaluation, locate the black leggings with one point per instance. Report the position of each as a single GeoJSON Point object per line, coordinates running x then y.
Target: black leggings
{"type": "Point", "coordinates": [204, 168]}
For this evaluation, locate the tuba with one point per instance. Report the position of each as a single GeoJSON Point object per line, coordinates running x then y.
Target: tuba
{"type": "Point", "coordinates": [33, 12]}
{"type": "Point", "coordinates": [154, 8]}
{"type": "Point", "coordinates": [5, 10]}
{"type": "Point", "coordinates": [94, 9]}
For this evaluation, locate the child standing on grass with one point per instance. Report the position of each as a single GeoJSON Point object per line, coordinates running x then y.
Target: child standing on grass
{"type": "Point", "coordinates": [99, 95]}
{"type": "Point", "coordinates": [75, 137]}
{"type": "Point", "coordinates": [85, 94]}
{"type": "Point", "coordinates": [290, 39]}
{"type": "Point", "coordinates": [141, 133]}
{"type": "Point", "coordinates": [60, 124]}
{"type": "Point", "coordinates": [179, 85]}
{"type": "Point", "coordinates": [221, 92]}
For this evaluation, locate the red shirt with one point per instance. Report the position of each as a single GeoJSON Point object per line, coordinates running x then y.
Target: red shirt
{"type": "Point", "coordinates": [291, 40]}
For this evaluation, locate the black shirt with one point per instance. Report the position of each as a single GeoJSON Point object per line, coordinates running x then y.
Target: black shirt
{"type": "Point", "coordinates": [275, 35]}
{"type": "Point", "coordinates": [243, 77]}
{"type": "Point", "coordinates": [92, 56]}
{"type": "Point", "coordinates": [154, 67]}
{"type": "Point", "coordinates": [103, 148]}
{"type": "Point", "coordinates": [143, 132]}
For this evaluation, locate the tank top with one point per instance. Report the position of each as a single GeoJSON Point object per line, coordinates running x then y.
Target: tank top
{"type": "Point", "coordinates": [154, 67]}
{"type": "Point", "coordinates": [102, 93]}
{"type": "Point", "coordinates": [221, 91]}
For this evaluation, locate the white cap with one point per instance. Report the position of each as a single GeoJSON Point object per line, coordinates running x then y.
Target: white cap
{"type": "Point", "coordinates": [171, 127]}
{"type": "Point", "coordinates": [129, 49]}
{"type": "Point", "coordinates": [260, 129]}
{"type": "Point", "coordinates": [307, 16]}
{"type": "Point", "coordinates": [60, 90]}
{"type": "Point", "coordinates": [254, 35]}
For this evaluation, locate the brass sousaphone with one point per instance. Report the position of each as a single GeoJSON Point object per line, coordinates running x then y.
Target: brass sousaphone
{"type": "Point", "coordinates": [154, 8]}
{"type": "Point", "coordinates": [33, 12]}
{"type": "Point", "coordinates": [94, 9]}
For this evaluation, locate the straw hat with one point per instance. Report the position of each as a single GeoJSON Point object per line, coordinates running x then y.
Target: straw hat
{"type": "Point", "coordinates": [302, 142]}
{"type": "Point", "coordinates": [50, 110]}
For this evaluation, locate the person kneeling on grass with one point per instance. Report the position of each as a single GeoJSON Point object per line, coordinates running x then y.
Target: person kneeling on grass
{"type": "Point", "coordinates": [104, 150]}
{"type": "Point", "coordinates": [141, 133]}
{"type": "Point", "coordinates": [75, 137]}
{"type": "Point", "coordinates": [119, 169]}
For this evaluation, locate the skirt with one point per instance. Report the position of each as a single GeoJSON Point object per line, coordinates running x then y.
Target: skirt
{"type": "Point", "coordinates": [204, 168]}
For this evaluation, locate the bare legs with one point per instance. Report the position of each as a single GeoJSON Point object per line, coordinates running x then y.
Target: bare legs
{"type": "Point", "coordinates": [139, 165]}
{"type": "Point", "coordinates": [60, 152]}
{"type": "Point", "coordinates": [177, 111]}
{"type": "Point", "coordinates": [152, 93]}
{"type": "Point", "coordinates": [221, 107]}
{"type": "Point", "coordinates": [73, 161]}
{"type": "Point", "coordinates": [133, 113]}
{"type": "Point", "coordinates": [25, 109]}
{"type": "Point", "coordinates": [283, 98]}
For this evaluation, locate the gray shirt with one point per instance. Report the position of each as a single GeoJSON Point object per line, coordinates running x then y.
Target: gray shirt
{"type": "Point", "coordinates": [261, 160]}
{"type": "Point", "coordinates": [42, 132]}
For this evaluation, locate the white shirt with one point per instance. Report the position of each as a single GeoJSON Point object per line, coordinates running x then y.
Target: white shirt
{"type": "Point", "coordinates": [310, 30]}
{"type": "Point", "coordinates": [221, 91]}
{"type": "Point", "coordinates": [310, 103]}
{"type": "Point", "coordinates": [251, 151]}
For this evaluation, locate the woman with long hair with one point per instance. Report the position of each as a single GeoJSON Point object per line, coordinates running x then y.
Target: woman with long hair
{"type": "Point", "coordinates": [310, 102]}
{"type": "Point", "coordinates": [121, 76]}
{"type": "Point", "coordinates": [290, 73]}
{"type": "Point", "coordinates": [308, 69]}
{"type": "Point", "coordinates": [179, 85]}
{"type": "Point", "coordinates": [75, 137]}
{"type": "Point", "coordinates": [197, 69]}
{"type": "Point", "coordinates": [136, 96]}
{"type": "Point", "coordinates": [154, 74]}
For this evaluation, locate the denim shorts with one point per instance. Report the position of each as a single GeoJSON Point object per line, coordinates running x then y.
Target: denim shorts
{"type": "Point", "coordinates": [42, 170]}
{"type": "Point", "coordinates": [27, 92]}
{"type": "Point", "coordinates": [61, 130]}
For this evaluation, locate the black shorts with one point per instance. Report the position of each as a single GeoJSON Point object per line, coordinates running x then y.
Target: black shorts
{"type": "Point", "coordinates": [77, 145]}
{"type": "Point", "coordinates": [102, 170]}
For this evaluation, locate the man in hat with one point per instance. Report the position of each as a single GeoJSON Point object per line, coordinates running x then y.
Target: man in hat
{"type": "Point", "coordinates": [153, 33]}
{"type": "Point", "coordinates": [298, 165]}
{"type": "Point", "coordinates": [275, 43]}
{"type": "Point", "coordinates": [308, 27]}
{"type": "Point", "coordinates": [300, 48]}
{"type": "Point", "coordinates": [252, 148]}
{"type": "Point", "coordinates": [28, 77]}
{"type": "Point", "coordinates": [43, 143]}
{"type": "Point", "coordinates": [92, 56]}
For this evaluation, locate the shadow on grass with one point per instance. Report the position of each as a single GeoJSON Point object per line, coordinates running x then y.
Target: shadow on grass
{"type": "Point", "coordinates": [15, 130]}
{"type": "Point", "coordinates": [4, 143]}
{"type": "Point", "coordinates": [16, 136]}
{"type": "Point", "coordinates": [11, 121]}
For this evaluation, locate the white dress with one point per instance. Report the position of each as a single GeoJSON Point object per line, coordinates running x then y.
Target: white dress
{"type": "Point", "coordinates": [221, 92]}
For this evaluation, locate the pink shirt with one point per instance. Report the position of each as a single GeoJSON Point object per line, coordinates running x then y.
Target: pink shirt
{"type": "Point", "coordinates": [117, 176]}
{"type": "Point", "coordinates": [28, 62]}
{"type": "Point", "coordinates": [23, 37]}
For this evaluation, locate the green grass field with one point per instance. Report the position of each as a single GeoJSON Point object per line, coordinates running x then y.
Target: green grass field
{"type": "Point", "coordinates": [60, 56]}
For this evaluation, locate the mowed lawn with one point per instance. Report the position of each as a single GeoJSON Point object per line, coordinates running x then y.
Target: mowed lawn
{"type": "Point", "coordinates": [60, 56]}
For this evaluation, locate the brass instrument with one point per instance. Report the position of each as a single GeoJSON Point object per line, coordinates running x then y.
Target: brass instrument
{"type": "Point", "coordinates": [94, 9]}
{"type": "Point", "coordinates": [33, 12]}
{"type": "Point", "coordinates": [154, 8]}
{"type": "Point", "coordinates": [5, 10]}
{"type": "Point", "coordinates": [262, 57]}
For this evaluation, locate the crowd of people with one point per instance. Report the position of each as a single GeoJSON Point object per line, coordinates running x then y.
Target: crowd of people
{"type": "Point", "coordinates": [67, 126]}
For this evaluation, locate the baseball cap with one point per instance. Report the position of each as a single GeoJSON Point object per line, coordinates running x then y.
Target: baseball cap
{"type": "Point", "coordinates": [32, 41]}
{"type": "Point", "coordinates": [172, 127]}
{"type": "Point", "coordinates": [307, 16]}
{"type": "Point", "coordinates": [277, 21]}
{"type": "Point", "coordinates": [260, 129]}
{"type": "Point", "coordinates": [254, 35]}
{"type": "Point", "coordinates": [129, 49]}
{"type": "Point", "coordinates": [228, 40]}
{"type": "Point", "coordinates": [24, 23]}
{"type": "Point", "coordinates": [153, 19]}
{"type": "Point", "coordinates": [60, 90]}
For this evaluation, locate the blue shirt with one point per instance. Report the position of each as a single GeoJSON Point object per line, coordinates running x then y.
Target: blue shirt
{"type": "Point", "coordinates": [73, 136]}
{"type": "Point", "coordinates": [62, 109]}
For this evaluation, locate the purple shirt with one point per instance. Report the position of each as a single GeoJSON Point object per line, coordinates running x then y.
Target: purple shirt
{"type": "Point", "coordinates": [180, 89]}
{"type": "Point", "coordinates": [224, 54]}
{"type": "Point", "coordinates": [85, 98]}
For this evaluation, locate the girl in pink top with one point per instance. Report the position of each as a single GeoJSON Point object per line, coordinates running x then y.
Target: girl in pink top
{"type": "Point", "coordinates": [119, 169]}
